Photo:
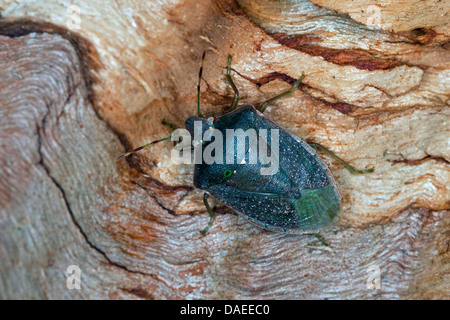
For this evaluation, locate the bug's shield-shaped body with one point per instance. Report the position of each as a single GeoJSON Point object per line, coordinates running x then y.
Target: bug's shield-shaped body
{"type": "Point", "coordinates": [301, 195]}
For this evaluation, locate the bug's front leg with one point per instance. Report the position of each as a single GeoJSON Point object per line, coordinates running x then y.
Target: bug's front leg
{"type": "Point", "coordinates": [329, 153]}
{"type": "Point", "coordinates": [169, 124]}
{"type": "Point", "coordinates": [230, 81]}
{"type": "Point", "coordinates": [325, 245]}
{"type": "Point", "coordinates": [295, 85]}
{"type": "Point", "coordinates": [212, 214]}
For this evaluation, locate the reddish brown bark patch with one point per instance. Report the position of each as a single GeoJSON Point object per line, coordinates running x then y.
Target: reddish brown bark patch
{"type": "Point", "coordinates": [422, 35]}
{"type": "Point", "coordinates": [342, 107]}
{"type": "Point", "coordinates": [273, 76]}
{"type": "Point", "coordinates": [347, 57]}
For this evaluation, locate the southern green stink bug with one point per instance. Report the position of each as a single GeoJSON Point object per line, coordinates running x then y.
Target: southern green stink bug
{"type": "Point", "coordinates": [300, 196]}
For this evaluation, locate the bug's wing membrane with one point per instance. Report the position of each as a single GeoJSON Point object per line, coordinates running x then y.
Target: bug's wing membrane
{"type": "Point", "coordinates": [317, 207]}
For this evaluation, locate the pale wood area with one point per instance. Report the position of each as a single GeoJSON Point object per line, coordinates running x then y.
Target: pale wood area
{"type": "Point", "coordinates": [71, 101]}
{"type": "Point", "coordinates": [428, 18]}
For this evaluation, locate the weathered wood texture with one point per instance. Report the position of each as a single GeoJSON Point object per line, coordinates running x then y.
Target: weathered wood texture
{"type": "Point", "coordinates": [72, 100]}
{"type": "Point", "coordinates": [426, 18]}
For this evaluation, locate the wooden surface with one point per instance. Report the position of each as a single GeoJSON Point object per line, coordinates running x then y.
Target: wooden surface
{"type": "Point", "coordinates": [424, 18]}
{"type": "Point", "coordinates": [72, 100]}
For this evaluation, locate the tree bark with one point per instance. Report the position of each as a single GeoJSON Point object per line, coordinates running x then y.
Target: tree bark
{"type": "Point", "coordinates": [81, 84]}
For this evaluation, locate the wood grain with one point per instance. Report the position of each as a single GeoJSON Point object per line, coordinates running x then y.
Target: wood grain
{"type": "Point", "coordinates": [72, 100]}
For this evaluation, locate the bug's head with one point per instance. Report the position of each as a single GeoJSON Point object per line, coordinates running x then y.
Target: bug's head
{"type": "Point", "coordinates": [196, 125]}
{"type": "Point", "coordinates": [192, 122]}
{"type": "Point", "coordinates": [207, 174]}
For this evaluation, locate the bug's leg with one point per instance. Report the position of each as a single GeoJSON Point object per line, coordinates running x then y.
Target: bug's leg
{"type": "Point", "coordinates": [169, 124]}
{"type": "Point", "coordinates": [263, 107]}
{"type": "Point", "coordinates": [230, 81]}
{"type": "Point", "coordinates": [319, 237]}
{"type": "Point", "coordinates": [352, 170]}
{"type": "Point", "coordinates": [212, 214]}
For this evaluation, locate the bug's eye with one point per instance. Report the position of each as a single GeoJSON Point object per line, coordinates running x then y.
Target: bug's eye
{"type": "Point", "coordinates": [227, 173]}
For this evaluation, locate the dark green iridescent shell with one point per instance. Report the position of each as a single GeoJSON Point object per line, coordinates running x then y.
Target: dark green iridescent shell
{"type": "Point", "coordinates": [301, 196]}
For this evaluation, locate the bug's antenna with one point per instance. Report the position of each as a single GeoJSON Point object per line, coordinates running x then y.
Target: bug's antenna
{"type": "Point", "coordinates": [142, 147]}
{"type": "Point", "coordinates": [198, 85]}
